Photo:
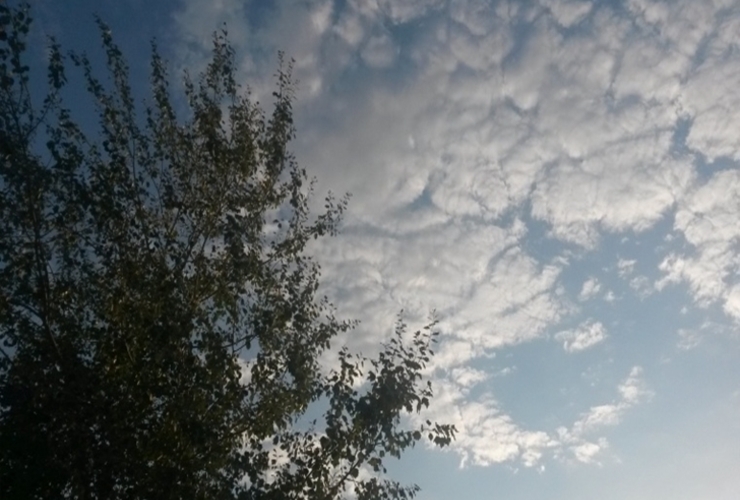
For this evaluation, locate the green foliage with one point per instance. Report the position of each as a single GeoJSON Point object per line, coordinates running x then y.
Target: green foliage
{"type": "Point", "coordinates": [160, 333]}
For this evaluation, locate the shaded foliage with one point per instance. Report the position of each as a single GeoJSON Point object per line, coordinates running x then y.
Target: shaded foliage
{"type": "Point", "coordinates": [160, 329]}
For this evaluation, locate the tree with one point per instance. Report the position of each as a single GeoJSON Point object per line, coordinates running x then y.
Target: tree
{"type": "Point", "coordinates": [160, 329]}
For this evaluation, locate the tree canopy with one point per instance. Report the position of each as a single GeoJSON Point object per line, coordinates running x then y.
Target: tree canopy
{"type": "Point", "coordinates": [161, 332]}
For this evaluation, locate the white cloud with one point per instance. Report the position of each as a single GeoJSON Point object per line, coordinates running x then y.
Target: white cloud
{"type": "Point", "coordinates": [579, 197]}
{"type": "Point", "coordinates": [351, 27]}
{"type": "Point", "coordinates": [642, 286]}
{"type": "Point", "coordinates": [401, 11]}
{"type": "Point", "coordinates": [467, 377]}
{"type": "Point", "coordinates": [487, 435]}
{"type": "Point", "coordinates": [513, 304]}
{"type": "Point", "coordinates": [583, 135]}
{"type": "Point", "coordinates": [379, 51]}
{"type": "Point", "coordinates": [598, 416]}
{"type": "Point", "coordinates": [690, 338]}
{"type": "Point", "coordinates": [633, 389]}
{"type": "Point", "coordinates": [732, 301]}
{"type": "Point", "coordinates": [568, 12]}
{"type": "Point", "coordinates": [321, 16]}
{"type": "Point", "coordinates": [714, 119]}
{"type": "Point", "coordinates": [707, 218]}
{"type": "Point", "coordinates": [626, 267]}
{"type": "Point", "coordinates": [578, 438]}
{"type": "Point", "coordinates": [590, 288]}
{"type": "Point", "coordinates": [588, 452]}
{"type": "Point", "coordinates": [477, 16]}
{"type": "Point", "coordinates": [587, 335]}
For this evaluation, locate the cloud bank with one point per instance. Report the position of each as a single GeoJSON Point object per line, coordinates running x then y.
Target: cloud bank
{"type": "Point", "coordinates": [491, 148]}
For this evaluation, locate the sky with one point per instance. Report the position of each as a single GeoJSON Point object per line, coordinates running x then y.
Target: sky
{"type": "Point", "coordinates": [558, 179]}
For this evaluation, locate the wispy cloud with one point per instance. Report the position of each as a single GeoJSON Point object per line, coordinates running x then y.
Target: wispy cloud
{"type": "Point", "coordinates": [487, 435]}
{"type": "Point", "coordinates": [587, 335]}
{"type": "Point", "coordinates": [590, 288]}
{"type": "Point", "coordinates": [579, 440]}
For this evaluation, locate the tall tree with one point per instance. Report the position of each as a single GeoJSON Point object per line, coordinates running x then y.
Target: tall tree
{"type": "Point", "coordinates": [160, 330]}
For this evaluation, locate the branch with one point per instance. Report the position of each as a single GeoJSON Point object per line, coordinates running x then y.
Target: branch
{"type": "Point", "coordinates": [6, 355]}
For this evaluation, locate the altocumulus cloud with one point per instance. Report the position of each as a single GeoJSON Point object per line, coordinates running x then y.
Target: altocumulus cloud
{"type": "Point", "coordinates": [512, 164]}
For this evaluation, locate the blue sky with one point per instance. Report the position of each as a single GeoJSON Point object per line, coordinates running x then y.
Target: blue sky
{"type": "Point", "coordinates": [558, 179]}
